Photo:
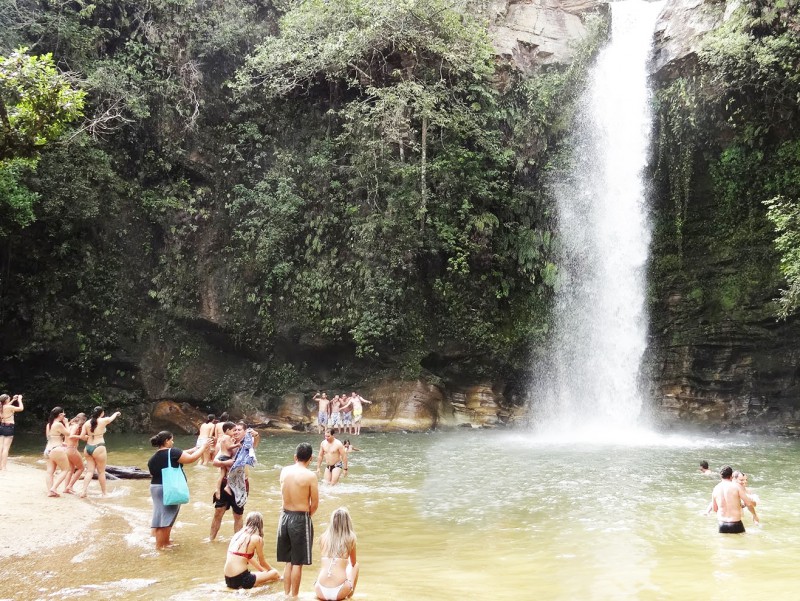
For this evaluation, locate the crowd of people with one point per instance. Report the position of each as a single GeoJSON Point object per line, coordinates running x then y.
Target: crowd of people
{"type": "Point", "coordinates": [65, 464]}
{"type": "Point", "coordinates": [231, 447]}
{"type": "Point", "coordinates": [343, 412]}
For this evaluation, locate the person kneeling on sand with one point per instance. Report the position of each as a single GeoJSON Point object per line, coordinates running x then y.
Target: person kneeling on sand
{"type": "Point", "coordinates": [245, 549]}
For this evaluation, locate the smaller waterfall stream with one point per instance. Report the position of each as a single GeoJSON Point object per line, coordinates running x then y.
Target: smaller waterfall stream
{"type": "Point", "coordinates": [588, 386]}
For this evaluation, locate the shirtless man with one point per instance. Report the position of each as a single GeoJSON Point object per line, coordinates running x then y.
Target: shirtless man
{"type": "Point", "coordinates": [205, 432]}
{"type": "Point", "coordinates": [346, 413]}
{"type": "Point", "coordinates": [322, 415]}
{"type": "Point", "coordinates": [300, 499]}
{"type": "Point", "coordinates": [335, 420]}
{"type": "Point", "coordinates": [335, 456]}
{"type": "Point", "coordinates": [358, 409]}
{"type": "Point", "coordinates": [727, 500]}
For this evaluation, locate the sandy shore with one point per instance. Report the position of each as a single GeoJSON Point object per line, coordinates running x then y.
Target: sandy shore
{"type": "Point", "coordinates": [29, 517]}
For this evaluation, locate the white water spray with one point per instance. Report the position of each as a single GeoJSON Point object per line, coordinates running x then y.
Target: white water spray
{"type": "Point", "coordinates": [588, 386]}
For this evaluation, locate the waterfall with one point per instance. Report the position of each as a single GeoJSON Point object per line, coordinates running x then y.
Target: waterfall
{"type": "Point", "coordinates": [587, 387]}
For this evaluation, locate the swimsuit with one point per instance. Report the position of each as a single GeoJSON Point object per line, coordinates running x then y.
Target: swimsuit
{"type": "Point", "coordinates": [357, 411]}
{"type": "Point", "coordinates": [731, 527]}
{"type": "Point", "coordinates": [244, 580]}
{"type": "Point", "coordinates": [90, 448]}
{"type": "Point", "coordinates": [335, 465]}
{"type": "Point", "coordinates": [322, 418]}
{"type": "Point", "coordinates": [201, 440]}
{"type": "Point", "coordinates": [331, 593]}
{"type": "Point", "coordinates": [295, 534]}
{"type": "Point", "coordinates": [347, 418]}
{"type": "Point", "coordinates": [335, 418]}
{"type": "Point", "coordinates": [6, 429]}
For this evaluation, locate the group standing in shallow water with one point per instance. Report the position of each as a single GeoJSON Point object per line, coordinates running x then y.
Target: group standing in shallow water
{"type": "Point", "coordinates": [729, 497]}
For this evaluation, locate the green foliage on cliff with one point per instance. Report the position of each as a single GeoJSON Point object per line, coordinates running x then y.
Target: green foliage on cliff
{"type": "Point", "coordinates": [347, 176]}
{"type": "Point", "coordinates": [729, 134]}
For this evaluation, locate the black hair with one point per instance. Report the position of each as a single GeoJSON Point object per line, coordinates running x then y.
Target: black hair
{"type": "Point", "coordinates": [704, 464]}
{"type": "Point", "coordinates": [228, 426]}
{"type": "Point", "coordinates": [95, 416]}
{"type": "Point", "coordinates": [210, 418]}
{"type": "Point", "coordinates": [303, 451]}
{"type": "Point", "coordinates": [54, 414]}
{"type": "Point", "coordinates": [159, 439]}
{"type": "Point", "coordinates": [726, 472]}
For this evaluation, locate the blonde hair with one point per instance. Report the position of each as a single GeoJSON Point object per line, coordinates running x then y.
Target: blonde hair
{"type": "Point", "coordinates": [340, 538]}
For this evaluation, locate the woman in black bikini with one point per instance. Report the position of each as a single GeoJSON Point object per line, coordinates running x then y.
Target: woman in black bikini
{"type": "Point", "coordinates": [247, 548]}
{"type": "Point", "coordinates": [8, 407]}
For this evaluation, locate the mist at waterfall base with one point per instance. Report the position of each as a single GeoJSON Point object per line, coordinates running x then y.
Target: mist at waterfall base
{"type": "Point", "coordinates": [587, 388]}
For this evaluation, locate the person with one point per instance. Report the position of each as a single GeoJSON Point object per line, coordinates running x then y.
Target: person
{"type": "Point", "coordinates": [56, 451]}
{"type": "Point", "coordinates": [223, 419]}
{"type": "Point", "coordinates": [741, 479]}
{"type": "Point", "coordinates": [335, 456]}
{"type": "Point", "coordinates": [73, 455]}
{"type": "Point", "coordinates": [95, 449]}
{"type": "Point", "coordinates": [348, 446]}
{"type": "Point", "coordinates": [322, 414]}
{"type": "Point", "coordinates": [346, 413]}
{"type": "Point", "coordinates": [227, 448]}
{"type": "Point", "coordinates": [164, 516]}
{"type": "Point", "coordinates": [704, 468]}
{"type": "Point", "coordinates": [299, 502]}
{"type": "Point", "coordinates": [205, 432]}
{"type": "Point", "coordinates": [8, 407]}
{"type": "Point", "coordinates": [727, 500]}
{"type": "Point", "coordinates": [236, 481]}
{"type": "Point", "coordinates": [358, 410]}
{"type": "Point", "coordinates": [247, 548]}
{"type": "Point", "coordinates": [338, 573]}
{"type": "Point", "coordinates": [335, 420]}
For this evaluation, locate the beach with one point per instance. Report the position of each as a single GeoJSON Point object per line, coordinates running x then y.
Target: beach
{"type": "Point", "coordinates": [31, 520]}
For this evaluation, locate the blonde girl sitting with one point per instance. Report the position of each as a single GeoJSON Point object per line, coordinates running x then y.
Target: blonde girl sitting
{"type": "Point", "coordinates": [338, 575]}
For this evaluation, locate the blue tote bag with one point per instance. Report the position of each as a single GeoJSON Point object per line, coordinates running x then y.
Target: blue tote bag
{"type": "Point", "coordinates": [173, 480]}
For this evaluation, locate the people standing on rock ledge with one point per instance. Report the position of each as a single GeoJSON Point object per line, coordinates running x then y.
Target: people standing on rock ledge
{"type": "Point", "coordinates": [322, 413]}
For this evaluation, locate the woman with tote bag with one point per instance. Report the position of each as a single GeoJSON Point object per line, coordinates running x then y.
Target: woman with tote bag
{"type": "Point", "coordinates": [166, 472]}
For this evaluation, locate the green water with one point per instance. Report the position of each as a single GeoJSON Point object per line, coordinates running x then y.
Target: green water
{"type": "Point", "coordinates": [485, 515]}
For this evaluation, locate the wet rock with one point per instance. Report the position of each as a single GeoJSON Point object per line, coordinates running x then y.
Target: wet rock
{"type": "Point", "coordinates": [178, 418]}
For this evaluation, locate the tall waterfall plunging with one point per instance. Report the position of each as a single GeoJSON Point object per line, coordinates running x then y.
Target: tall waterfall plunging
{"type": "Point", "coordinates": [588, 385]}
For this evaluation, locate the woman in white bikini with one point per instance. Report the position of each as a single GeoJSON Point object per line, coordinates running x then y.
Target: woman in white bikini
{"type": "Point", "coordinates": [338, 575]}
{"type": "Point", "coordinates": [95, 451]}
{"type": "Point", "coordinates": [75, 460]}
{"type": "Point", "coordinates": [247, 549]}
{"type": "Point", "coordinates": [56, 451]}
{"type": "Point", "coordinates": [8, 407]}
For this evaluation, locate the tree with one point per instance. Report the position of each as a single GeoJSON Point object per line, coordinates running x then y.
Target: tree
{"type": "Point", "coordinates": [36, 104]}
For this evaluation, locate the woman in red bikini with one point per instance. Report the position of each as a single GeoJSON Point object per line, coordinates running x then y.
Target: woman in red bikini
{"type": "Point", "coordinates": [246, 549]}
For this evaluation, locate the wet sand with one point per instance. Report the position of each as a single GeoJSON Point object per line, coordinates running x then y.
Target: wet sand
{"type": "Point", "coordinates": [32, 521]}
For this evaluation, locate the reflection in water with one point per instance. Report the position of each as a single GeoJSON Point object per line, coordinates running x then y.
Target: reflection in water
{"type": "Point", "coordinates": [446, 516]}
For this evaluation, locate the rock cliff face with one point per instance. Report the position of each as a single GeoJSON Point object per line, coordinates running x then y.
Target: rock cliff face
{"type": "Point", "coordinates": [713, 361]}
{"type": "Point", "coordinates": [530, 33]}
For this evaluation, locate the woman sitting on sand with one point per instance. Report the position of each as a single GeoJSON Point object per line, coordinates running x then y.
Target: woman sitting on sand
{"type": "Point", "coordinates": [95, 451]}
{"type": "Point", "coordinates": [338, 575]}
{"type": "Point", "coordinates": [56, 450]}
{"type": "Point", "coordinates": [247, 548]}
